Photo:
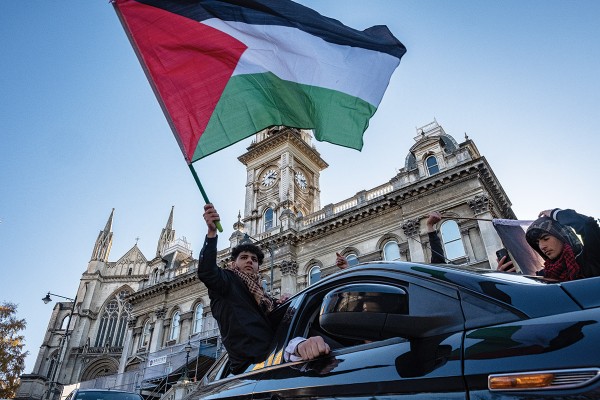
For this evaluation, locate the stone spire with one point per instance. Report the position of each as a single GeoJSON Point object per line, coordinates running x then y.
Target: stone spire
{"type": "Point", "coordinates": [104, 241]}
{"type": "Point", "coordinates": [166, 236]}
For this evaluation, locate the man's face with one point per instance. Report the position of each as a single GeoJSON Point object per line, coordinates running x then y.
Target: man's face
{"type": "Point", "coordinates": [247, 262]}
{"type": "Point", "coordinates": [550, 245]}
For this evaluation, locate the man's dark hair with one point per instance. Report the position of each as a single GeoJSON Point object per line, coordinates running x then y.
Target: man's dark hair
{"type": "Point", "coordinates": [250, 248]}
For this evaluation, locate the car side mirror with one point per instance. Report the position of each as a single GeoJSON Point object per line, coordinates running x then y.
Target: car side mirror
{"type": "Point", "coordinates": [371, 311]}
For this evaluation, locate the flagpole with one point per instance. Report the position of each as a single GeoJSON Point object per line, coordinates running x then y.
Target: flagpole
{"type": "Point", "coordinates": [206, 200]}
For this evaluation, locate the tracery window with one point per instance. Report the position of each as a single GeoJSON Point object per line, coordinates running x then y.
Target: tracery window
{"type": "Point", "coordinates": [113, 321]}
{"type": "Point", "coordinates": [432, 165]}
{"type": "Point", "coordinates": [452, 240]}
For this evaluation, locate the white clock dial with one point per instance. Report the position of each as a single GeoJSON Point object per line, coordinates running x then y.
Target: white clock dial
{"type": "Point", "coordinates": [301, 180]}
{"type": "Point", "coordinates": [269, 178]}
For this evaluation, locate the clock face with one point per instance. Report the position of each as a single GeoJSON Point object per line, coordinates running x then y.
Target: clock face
{"type": "Point", "coordinates": [300, 180]}
{"type": "Point", "coordinates": [269, 178]}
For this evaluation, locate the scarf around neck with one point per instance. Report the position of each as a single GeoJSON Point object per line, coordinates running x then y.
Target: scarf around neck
{"type": "Point", "coordinates": [565, 267]}
{"type": "Point", "coordinates": [264, 301]}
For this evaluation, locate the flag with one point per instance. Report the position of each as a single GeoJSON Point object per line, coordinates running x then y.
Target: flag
{"type": "Point", "coordinates": [224, 70]}
{"type": "Point", "coordinates": [512, 234]}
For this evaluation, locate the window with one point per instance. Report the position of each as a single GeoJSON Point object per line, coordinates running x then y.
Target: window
{"type": "Point", "coordinates": [65, 322]}
{"type": "Point", "coordinates": [113, 321]}
{"type": "Point", "coordinates": [391, 251]}
{"type": "Point", "coordinates": [198, 318]}
{"type": "Point", "coordinates": [432, 165]}
{"type": "Point", "coordinates": [352, 259]}
{"type": "Point", "coordinates": [155, 276]}
{"type": "Point", "coordinates": [314, 275]}
{"type": "Point", "coordinates": [53, 360]}
{"type": "Point", "coordinates": [145, 339]}
{"type": "Point", "coordinates": [174, 333]}
{"type": "Point", "coordinates": [268, 219]}
{"type": "Point", "coordinates": [452, 241]}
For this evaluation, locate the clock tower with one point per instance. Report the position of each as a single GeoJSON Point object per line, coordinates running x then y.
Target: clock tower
{"type": "Point", "coordinates": [282, 174]}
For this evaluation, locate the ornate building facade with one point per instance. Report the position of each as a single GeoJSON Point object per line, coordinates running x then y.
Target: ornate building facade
{"type": "Point", "coordinates": [136, 321]}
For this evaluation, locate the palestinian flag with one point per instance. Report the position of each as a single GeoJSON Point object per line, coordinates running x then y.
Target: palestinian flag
{"type": "Point", "coordinates": [224, 70]}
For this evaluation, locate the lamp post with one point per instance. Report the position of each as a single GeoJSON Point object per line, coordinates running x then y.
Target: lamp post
{"type": "Point", "coordinates": [63, 344]}
{"type": "Point", "coordinates": [248, 239]}
{"type": "Point", "coordinates": [187, 348]}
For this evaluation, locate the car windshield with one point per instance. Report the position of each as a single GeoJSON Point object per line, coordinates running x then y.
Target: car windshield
{"type": "Point", "coordinates": [106, 395]}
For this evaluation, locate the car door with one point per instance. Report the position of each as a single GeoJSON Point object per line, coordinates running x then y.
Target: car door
{"type": "Point", "coordinates": [391, 367]}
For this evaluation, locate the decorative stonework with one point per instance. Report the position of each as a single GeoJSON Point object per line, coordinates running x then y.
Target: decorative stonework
{"type": "Point", "coordinates": [479, 204]}
{"type": "Point", "coordinates": [411, 227]}
{"type": "Point", "coordinates": [161, 312]}
{"type": "Point", "coordinates": [131, 323]}
{"type": "Point", "coordinates": [289, 268]}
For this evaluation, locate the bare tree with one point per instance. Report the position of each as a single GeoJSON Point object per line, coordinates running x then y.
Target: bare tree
{"type": "Point", "coordinates": [12, 356]}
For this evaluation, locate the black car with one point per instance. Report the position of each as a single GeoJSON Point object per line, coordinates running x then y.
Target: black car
{"type": "Point", "coordinates": [405, 330]}
{"type": "Point", "coordinates": [102, 394]}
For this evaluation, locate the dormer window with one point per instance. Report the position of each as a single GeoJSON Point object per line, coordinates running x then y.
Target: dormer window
{"type": "Point", "coordinates": [432, 165]}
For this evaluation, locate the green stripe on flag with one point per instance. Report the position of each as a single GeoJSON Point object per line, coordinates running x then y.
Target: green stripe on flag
{"type": "Point", "coordinates": [253, 102]}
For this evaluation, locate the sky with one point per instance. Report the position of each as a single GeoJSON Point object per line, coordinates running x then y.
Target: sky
{"type": "Point", "coordinates": [82, 133]}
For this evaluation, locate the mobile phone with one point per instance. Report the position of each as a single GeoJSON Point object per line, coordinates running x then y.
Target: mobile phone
{"type": "Point", "coordinates": [501, 253]}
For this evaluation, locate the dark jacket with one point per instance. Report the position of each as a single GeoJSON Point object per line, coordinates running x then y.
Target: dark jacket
{"type": "Point", "coordinates": [437, 251]}
{"type": "Point", "coordinates": [588, 255]}
{"type": "Point", "coordinates": [245, 329]}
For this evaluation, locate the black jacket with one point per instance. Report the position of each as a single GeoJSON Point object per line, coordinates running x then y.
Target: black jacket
{"type": "Point", "coordinates": [587, 228]}
{"type": "Point", "coordinates": [245, 329]}
{"type": "Point", "coordinates": [437, 251]}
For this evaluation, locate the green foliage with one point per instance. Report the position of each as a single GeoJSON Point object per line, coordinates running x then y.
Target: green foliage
{"type": "Point", "coordinates": [12, 357]}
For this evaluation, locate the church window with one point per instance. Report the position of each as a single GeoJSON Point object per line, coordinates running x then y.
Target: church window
{"type": "Point", "coordinates": [352, 259]}
{"type": "Point", "coordinates": [64, 323]}
{"type": "Point", "coordinates": [155, 276]}
{"type": "Point", "coordinates": [174, 333]}
{"type": "Point", "coordinates": [129, 271]}
{"type": "Point", "coordinates": [145, 339]}
{"type": "Point", "coordinates": [52, 365]}
{"type": "Point", "coordinates": [314, 275]}
{"type": "Point", "coordinates": [268, 218]}
{"type": "Point", "coordinates": [432, 165]}
{"type": "Point", "coordinates": [113, 322]}
{"type": "Point", "coordinates": [391, 251]}
{"type": "Point", "coordinates": [453, 245]}
{"type": "Point", "coordinates": [198, 318]}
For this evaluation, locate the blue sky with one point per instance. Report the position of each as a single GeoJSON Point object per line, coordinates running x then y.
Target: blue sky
{"type": "Point", "coordinates": [82, 132]}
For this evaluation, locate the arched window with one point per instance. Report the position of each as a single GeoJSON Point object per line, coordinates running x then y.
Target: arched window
{"type": "Point", "coordinates": [352, 259]}
{"type": "Point", "coordinates": [64, 323]}
{"type": "Point", "coordinates": [174, 333]}
{"type": "Point", "coordinates": [145, 339]}
{"type": "Point", "coordinates": [52, 365]}
{"type": "Point", "coordinates": [432, 165]}
{"type": "Point", "coordinates": [268, 219]}
{"type": "Point", "coordinates": [113, 321]}
{"type": "Point", "coordinates": [155, 276]}
{"type": "Point", "coordinates": [453, 245]}
{"type": "Point", "coordinates": [314, 275]}
{"type": "Point", "coordinates": [198, 318]}
{"type": "Point", "coordinates": [391, 251]}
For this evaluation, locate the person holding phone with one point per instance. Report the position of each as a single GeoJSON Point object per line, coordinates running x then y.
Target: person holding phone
{"type": "Point", "coordinates": [565, 257]}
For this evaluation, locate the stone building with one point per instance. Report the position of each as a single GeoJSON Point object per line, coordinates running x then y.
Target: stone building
{"type": "Point", "coordinates": [140, 324]}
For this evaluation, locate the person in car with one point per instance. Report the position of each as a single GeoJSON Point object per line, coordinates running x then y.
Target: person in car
{"type": "Point", "coordinates": [565, 257]}
{"type": "Point", "coordinates": [239, 304]}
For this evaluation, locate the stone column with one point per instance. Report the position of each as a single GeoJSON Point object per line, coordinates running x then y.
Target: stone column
{"type": "Point", "coordinates": [411, 229]}
{"type": "Point", "coordinates": [127, 345]}
{"type": "Point", "coordinates": [482, 208]}
{"type": "Point", "coordinates": [289, 277]}
{"type": "Point", "coordinates": [467, 242]}
{"type": "Point", "coordinates": [155, 342]}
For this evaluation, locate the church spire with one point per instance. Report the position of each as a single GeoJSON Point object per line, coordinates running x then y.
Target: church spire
{"type": "Point", "coordinates": [166, 236]}
{"type": "Point", "coordinates": [104, 241]}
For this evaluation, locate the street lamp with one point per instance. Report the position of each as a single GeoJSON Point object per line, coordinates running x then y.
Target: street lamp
{"type": "Point", "coordinates": [248, 239]}
{"type": "Point", "coordinates": [188, 347]}
{"type": "Point", "coordinates": [63, 343]}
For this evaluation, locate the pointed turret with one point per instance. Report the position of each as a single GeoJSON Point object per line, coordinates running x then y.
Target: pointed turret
{"type": "Point", "coordinates": [166, 236]}
{"type": "Point", "coordinates": [104, 241]}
